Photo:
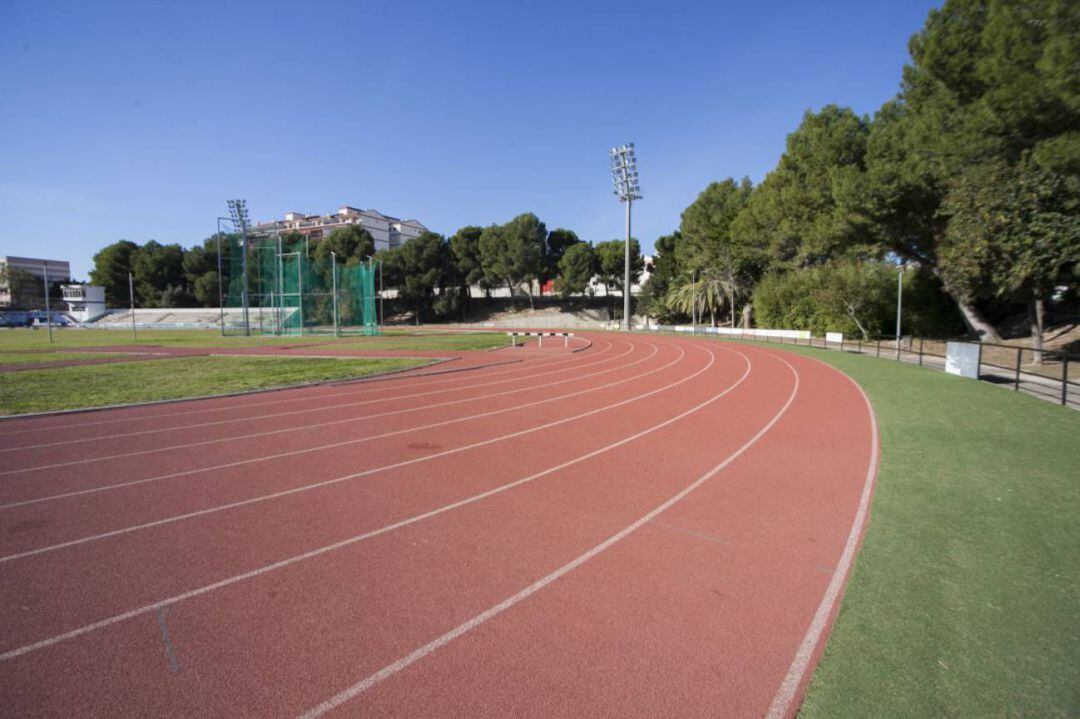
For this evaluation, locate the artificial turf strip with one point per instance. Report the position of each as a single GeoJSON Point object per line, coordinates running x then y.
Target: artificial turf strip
{"type": "Point", "coordinates": [964, 600]}
{"type": "Point", "coordinates": [108, 384]}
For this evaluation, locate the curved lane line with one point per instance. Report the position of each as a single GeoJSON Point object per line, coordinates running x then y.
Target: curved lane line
{"type": "Point", "coordinates": [348, 477]}
{"type": "Point", "coordinates": [109, 621]}
{"type": "Point", "coordinates": [465, 627]}
{"type": "Point", "coordinates": [285, 430]}
{"type": "Point", "coordinates": [83, 440]}
{"type": "Point", "coordinates": [785, 696]}
{"type": "Point", "coordinates": [331, 445]}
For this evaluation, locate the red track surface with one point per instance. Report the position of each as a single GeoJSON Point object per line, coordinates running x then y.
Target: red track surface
{"type": "Point", "coordinates": [651, 527]}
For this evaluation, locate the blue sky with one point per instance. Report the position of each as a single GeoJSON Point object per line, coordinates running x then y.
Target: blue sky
{"type": "Point", "coordinates": [138, 120]}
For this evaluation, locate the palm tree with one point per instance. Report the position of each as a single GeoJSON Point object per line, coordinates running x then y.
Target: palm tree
{"type": "Point", "coordinates": [711, 291]}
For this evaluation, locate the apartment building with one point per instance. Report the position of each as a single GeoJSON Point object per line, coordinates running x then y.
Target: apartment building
{"type": "Point", "coordinates": [387, 231]}
{"type": "Point", "coordinates": [58, 270]}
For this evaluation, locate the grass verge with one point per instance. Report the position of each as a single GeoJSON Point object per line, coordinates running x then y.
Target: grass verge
{"type": "Point", "coordinates": [88, 386]}
{"type": "Point", "coordinates": [965, 597]}
{"type": "Point", "coordinates": [38, 357]}
{"type": "Point", "coordinates": [397, 339]}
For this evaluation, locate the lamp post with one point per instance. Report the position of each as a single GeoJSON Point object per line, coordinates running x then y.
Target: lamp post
{"type": "Point", "coordinates": [333, 273]}
{"type": "Point", "coordinates": [624, 178]}
{"type": "Point", "coordinates": [899, 304]}
{"type": "Point", "coordinates": [48, 309]}
{"type": "Point", "coordinates": [693, 300]}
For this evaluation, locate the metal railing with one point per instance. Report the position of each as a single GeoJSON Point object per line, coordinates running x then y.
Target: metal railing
{"type": "Point", "coordinates": [1049, 374]}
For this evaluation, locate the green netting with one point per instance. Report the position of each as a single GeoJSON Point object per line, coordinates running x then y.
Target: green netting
{"type": "Point", "coordinates": [294, 288]}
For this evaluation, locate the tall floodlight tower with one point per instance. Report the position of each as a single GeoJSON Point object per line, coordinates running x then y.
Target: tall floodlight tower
{"type": "Point", "coordinates": [624, 177]}
{"type": "Point", "coordinates": [238, 212]}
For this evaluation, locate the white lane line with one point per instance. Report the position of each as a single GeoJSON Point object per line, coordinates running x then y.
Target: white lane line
{"type": "Point", "coordinates": [334, 445]}
{"type": "Point", "coordinates": [308, 426]}
{"type": "Point", "coordinates": [785, 696]}
{"type": "Point", "coordinates": [320, 408]}
{"type": "Point", "coordinates": [390, 669]}
{"type": "Point", "coordinates": [101, 624]}
{"type": "Point", "coordinates": [356, 475]}
{"type": "Point", "coordinates": [369, 389]}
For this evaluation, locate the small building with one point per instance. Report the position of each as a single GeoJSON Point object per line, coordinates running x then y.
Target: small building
{"type": "Point", "coordinates": [85, 302]}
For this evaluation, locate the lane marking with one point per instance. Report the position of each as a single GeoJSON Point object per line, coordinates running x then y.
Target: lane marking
{"type": "Point", "coordinates": [295, 428]}
{"type": "Point", "coordinates": [321, 408]}
{"type": "Point", "coordinates": [465, 627]}
{"type": "Point", "coordinates": [109, 621]}
{"type": "Point", "coordinates": [348, 477]}
{"type": "Point", "coordinates": [334, 445]}
{"type": "Point", "coordinates": [781, 705]}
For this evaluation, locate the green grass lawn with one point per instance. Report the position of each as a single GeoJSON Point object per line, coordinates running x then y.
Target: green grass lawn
{"type": "Point", "coordinates": [106, 384]}
{"type": "Point", "coordinates": [36, 357]}
{"type": "Point", "coordinates": [394, 339]}
{"type": "Point", "coordinates": [965, 598]}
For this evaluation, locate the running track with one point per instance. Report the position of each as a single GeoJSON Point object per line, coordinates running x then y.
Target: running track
{"type": "Point", "coordinates": [654, 526]}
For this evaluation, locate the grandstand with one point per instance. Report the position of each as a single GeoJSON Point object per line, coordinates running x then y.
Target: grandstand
{"type": "Point", "coordinates": [170, 318]}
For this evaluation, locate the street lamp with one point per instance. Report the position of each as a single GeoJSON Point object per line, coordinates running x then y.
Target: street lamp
{"type": "Point", "coordinates": [624, 178]}
{"type": "Point", "coordinates": [899, 304]}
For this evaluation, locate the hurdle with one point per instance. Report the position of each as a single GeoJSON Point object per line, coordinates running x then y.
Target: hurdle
{"type": "Point", "coordinates": [541, 335]}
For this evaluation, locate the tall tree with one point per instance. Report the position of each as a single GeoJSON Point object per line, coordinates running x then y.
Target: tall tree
{"type": "Point", "coordinates": [987, 83]}
{"type": "Point", "coordinates": [159, 275]}
{"type": "Point", "coordinates": [345, 242]}
{"type": "Point", "coordinates": [711, 247]}
{"type": "Point", "coordinates": [558, 242]}
{"type": "Point", "coordinates": [611, 267]}
{"type": "Point", "coordinates": [664, 274]}
{"type": "Point", "coordinates": [513, 253]}
{"type": "Point", "coordinates": [797, 214]}
{"type": "Point", "coordinates": [421, 262]}
{"type": "Point", "coordinates": [1013, 233]}
{"type": "Point", "coordinates": [577, 266]}
{"type": "Point", "coordinates": [464, 249]}
{"type": "Point", "coordinates": [112, 264]}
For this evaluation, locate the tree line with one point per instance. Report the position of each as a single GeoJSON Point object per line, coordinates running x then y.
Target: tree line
{"type": "Point", "coordinates": [970, 176]}
{"type": "Point", "coordinates": [432, 273]}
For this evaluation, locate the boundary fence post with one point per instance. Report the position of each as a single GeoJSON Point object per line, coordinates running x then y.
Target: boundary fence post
{"type": "Point", "coordinates": [920, 351]}
{"type": "Point", "coordinates": [1019, 357]}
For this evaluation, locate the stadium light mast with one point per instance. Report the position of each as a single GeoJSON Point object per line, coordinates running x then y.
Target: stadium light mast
{"type": "Point", "coordinates": [624, 178]}
{"type": "Point", "coordinates": [238, 212]}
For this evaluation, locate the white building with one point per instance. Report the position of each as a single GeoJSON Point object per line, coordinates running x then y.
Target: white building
{"type": "Point", "coordinates": [85, 302]}
{"type": "Point", "coordinates": [387, 231]}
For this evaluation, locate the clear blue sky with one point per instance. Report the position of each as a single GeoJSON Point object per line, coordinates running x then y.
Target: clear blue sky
{"type": "Point", "coordinates": [138, 120]}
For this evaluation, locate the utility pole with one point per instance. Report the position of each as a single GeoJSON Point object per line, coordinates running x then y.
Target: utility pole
{"type": "Point", "coordinates": [624, 177]}
{"type": "Point", "coordinates": [48, 309]}
{"type": "Point", "coordinates": [899, 304]}
{"type": "Point", "coordinates": [693, 300]}
{"type": "Point", "coordinates": [131, 297]}
{"type": "Point", "coordinates": [333, 272]}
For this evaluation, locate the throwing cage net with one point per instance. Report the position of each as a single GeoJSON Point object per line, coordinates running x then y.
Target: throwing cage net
{"type": "Point", "coordinates": [296, 288]}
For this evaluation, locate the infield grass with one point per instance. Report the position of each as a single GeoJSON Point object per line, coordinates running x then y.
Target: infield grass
{"type": "Point", "coordinates": [393, 339]}
{"type": "Point", "coordinates": [87, 386]}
